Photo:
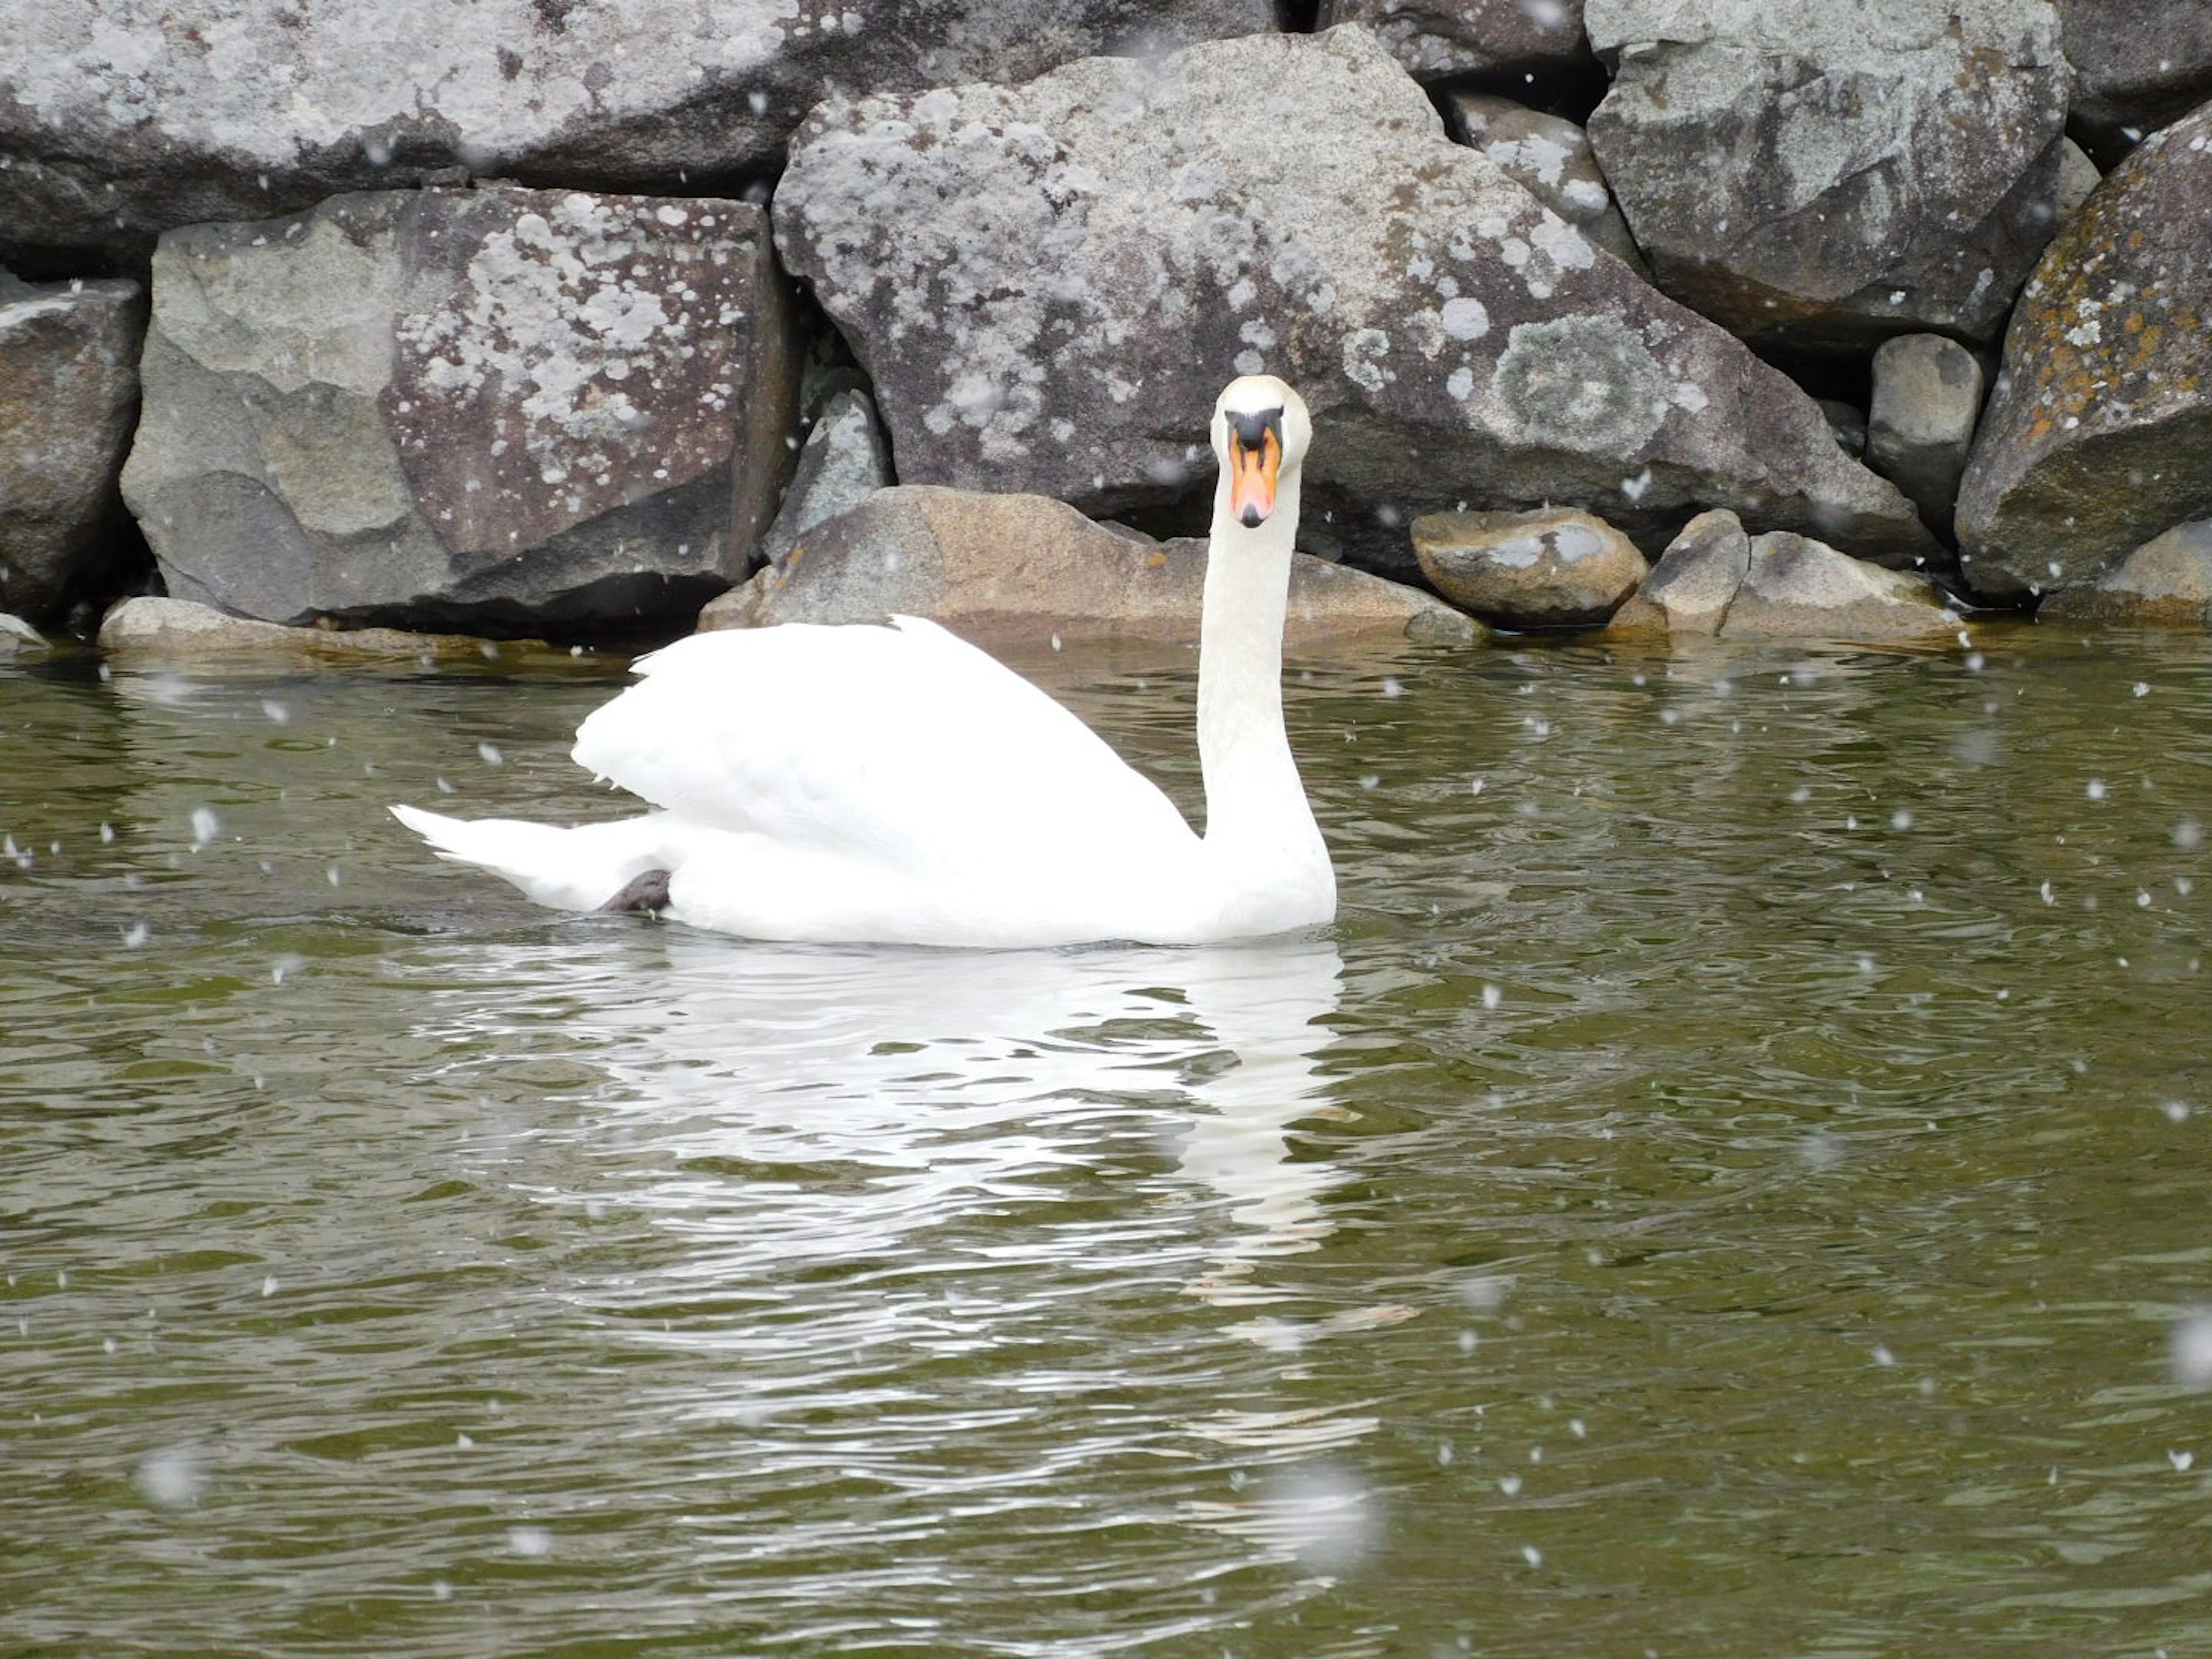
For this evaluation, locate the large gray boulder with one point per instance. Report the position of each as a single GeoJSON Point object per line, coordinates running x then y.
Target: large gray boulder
{"type": "Point", "coordinates": [1927, 396]}
{"type": "Point", "coordinates": [1023, 568]}
{"type": "Point", "coordinates": [69, 393]}
{"type": "Point", "coordinates": [1049, 283]}
{"type": "Point", "coordinates": [120, 121]}
{"type": "Point", "coordinates": [495, 410]}
{"type": "Point", "coordinates": [2098, 434]}
{"type": "Point", "coordinates": [2137, 66]}
{"type": "Point", "coordinates": [1435, 40]}
{"type": "Point", "coordinates": [1827, 175]}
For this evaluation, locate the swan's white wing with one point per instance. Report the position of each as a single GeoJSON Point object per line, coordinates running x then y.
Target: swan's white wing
{"type": "Point", "coordinates": [901, 747]}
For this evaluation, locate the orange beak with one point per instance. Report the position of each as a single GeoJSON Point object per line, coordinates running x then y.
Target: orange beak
{"type": "Point", "coordinates": [1252, 477]}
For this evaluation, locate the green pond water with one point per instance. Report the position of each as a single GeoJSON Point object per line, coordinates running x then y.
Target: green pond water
{"type": "Point", "coordinates": [1736, 1180]}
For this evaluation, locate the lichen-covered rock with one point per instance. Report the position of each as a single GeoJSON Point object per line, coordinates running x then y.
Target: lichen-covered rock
{"type": "Point", "coordinates": [1438, 39]}
{"type": "Point", "coordinates": [2165, 583]}
{"type": "Point", "coordinates": [120, 120]}
{"type": "Point", "coordinates": [1927, 398]}
{"type": "Point", "coordinates": [1690, 589]}
{"type": "Point", "coordinates": [2138, 67]}
{"type": "Point", "coordinates": [491, 411]}
{"type": "Point", "coordinates": [1549, 157]}
{"type": "Point", "coordinates": [69, 393]}
{"type": "Point", "coordinates": [843, 461]}
{"type": "Point", "coordinates": [2099, 435]}
{"type": "Point", "coordinates": [1024, 568]}
{"type": "Point", "coordinates": [1553, 567]}
{"type": "Point", "coordinates": [1048, 283]}
{"type": "Point", "coordinates": [183, 631]}
{"type": "Point", "coordinates": [1794, 587]}
{"type": "Point", "coordinates": [1827, 175]}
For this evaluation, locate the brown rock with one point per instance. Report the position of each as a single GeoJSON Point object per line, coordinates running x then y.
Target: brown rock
{"type": "Point", "coordinates": [1797, 588]}
{"type": "Point", "coordinates": [1553, 567]}
{"type": "Point", "coordinates": [1022, 568]}
{"type": "Point", "coordinates": [1690, 589]}
{"type": "Point", "coordinates": [182, 630]}
{"type": "Point", "coordinates": [2165, 583]}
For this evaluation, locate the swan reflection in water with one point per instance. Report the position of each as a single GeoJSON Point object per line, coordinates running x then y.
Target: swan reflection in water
{"type": "Point", "coordinates": [778, 1105]}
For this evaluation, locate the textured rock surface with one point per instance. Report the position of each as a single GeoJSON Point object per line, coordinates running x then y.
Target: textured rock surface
{"type": "Point", "coordinates": [2165, 583]}
{"type": "Point", "coordinates": [842, 463]}
{"type": "Point", "coordinates": [122, 120]}
{"type": "Point", "coordinates": [1550, 158]}
{"type": "Point", "coordinates": [1553, 568]}
{"type": "Point", "coordinates": [495, 410]}
{"type": "Point", "coordinates": [1022, 567]}
{"type": "Point", "coordinates": [1828, 175]}
{"type": "Point", "coordinates": [2099, 435]}
{"type": "Point", "coordinates": [1927, 398]}
{"type": "Point", "coordinates": [1435, 39]}
{"type": "Point", "coordinates": [1690, 589]}
{"type": "Point", "coordinates": [180, 629]}
{"type": "Point", "coordinates": [1049, 284]}
{"type": "Point", "coordinates": [69, 393]}
{"type": "Point", "coordinates": [1795, 587]}
{"type": "Point", "coordinates": [2138, 65]}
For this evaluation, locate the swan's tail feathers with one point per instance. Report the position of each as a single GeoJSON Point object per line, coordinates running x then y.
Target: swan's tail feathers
{"type": "Point", "coordinates": [585, 867]}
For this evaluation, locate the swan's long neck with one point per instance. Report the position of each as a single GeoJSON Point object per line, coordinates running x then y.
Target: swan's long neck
{"type": "Point", "coordinates": [1256, 806]}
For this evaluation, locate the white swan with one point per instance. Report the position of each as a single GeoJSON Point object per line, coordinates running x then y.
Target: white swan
{"type": "Point", "coordinates": [892, 784]}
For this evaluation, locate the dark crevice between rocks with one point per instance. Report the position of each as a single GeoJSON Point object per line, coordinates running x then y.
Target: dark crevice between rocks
{"type": "Point", "coordinates": [1298, 16]}
{"type": "Point", "coordinates": [119, 566]}
{"type": "Point", "coordinates": [1570, 90]}
{"type": "Point", "coordinates": [628, 611]}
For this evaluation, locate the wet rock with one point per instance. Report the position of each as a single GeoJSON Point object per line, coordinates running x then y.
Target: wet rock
{"type": "Point", "coordinates": [69, 393]}
{"type": "Point", "coordinates": [1826, 176]}
{"type": "Point", "coordinates": [1795, 587]}
{"type": "Point", "coordinates": [18, 637]}
{"type": "Point", "coordinates": [492, 411]}
{"type": "Point", "coordinates": [1553, 567]}
{"type": "Point", "coordinates": [1024, 568]}
{"type": "Point", "coordinates": [122, 121]}
{"type": "Point", "coordinates": [1690, 589]}
{"type": "Point", "coordinates": [2137, 68]}
{"type": "Point", "coordinates": [181, 630]}
{"type": "Point", "coordinates": [1047, 284]}
{"type": "Point", "coordinates": [2165, 583]}
{"type": "Point", "coordinates": [1547, 156]}
{"type": "Point", "coordinates": [1438, 39]}
{"type": "Point", "coordinates": [2098, 434]}
{"type": "Point", "coordinates": [1927, 398]}
{"type": "Point", "coordinates": [842, 463]}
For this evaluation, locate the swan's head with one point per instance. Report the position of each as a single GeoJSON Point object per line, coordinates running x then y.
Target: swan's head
{"type": "Point", "coordinates": [1261, 431]}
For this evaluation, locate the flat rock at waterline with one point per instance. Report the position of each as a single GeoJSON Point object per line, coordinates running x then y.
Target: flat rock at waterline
{"type": "Point", "coordinates": [2165, 583]}
{"type": "Point", "coordinates": [1048, 283]}
{"type": "Point", "coordinates": [18, 637]}
{"type": "Point", "coordinates": [1553, 567]}
{"type": "Point", "coordinates": [2099, 435]}
{"type": "Point", "coordinates": [1827, 175]}
{"type": "Point", "coordinates": [1023, 566]}
{"type": "Point", "coordinates": [1438, 38]}
{"type": "Point", "coordinates": [69, 391]}
{"type": "Point", "coordinates": [121, 121]}
{"type": "Point", "coordinates": [1713, 579]}
{"type": "Point", "coordinates": [178, 631]}
{"type": "Point", "coordinates": [487, 411]}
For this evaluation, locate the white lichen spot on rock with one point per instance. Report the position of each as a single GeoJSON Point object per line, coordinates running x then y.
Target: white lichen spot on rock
{"type": "Point", "coordinates": [1585, 383]}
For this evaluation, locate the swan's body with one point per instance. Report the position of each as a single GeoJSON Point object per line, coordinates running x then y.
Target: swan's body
{"type": "Point", "coordinates": [893, 784]}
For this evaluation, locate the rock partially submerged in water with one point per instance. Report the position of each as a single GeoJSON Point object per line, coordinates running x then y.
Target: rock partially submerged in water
{"type": "Point", "coordinates": [1047, 283]}
{"type": "Point", "coordinates": [69, 393]}
{"type": "Point", "coordinates": [121, 121]}
{"type": "Point", "coordinates": [1714, 580]}
{"type": "Point", "coordinates": [18, 637]}
{"type": "Point", "coordinates": [2165, 583]}
{"type": "Point", "coordinates": [1023, 568]}
{"type": "Point", "coordinates": [180, 630]}
{"type": "Point", "coordinates": [491, 410]}
{"type": "Point", "coordinates": [1831, 175]}
{"type": "Point", "coordinates": [1553, 567]}
{"type": "Point", "coordinates": [2099, 436]}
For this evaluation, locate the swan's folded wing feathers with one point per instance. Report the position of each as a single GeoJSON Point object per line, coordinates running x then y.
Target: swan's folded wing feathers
{"type": "Point", "coordinates": [901, 744]}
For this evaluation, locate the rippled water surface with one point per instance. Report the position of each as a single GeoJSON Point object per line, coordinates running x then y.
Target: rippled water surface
{"type": "Point", "coordinates": [1734, 1183]}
